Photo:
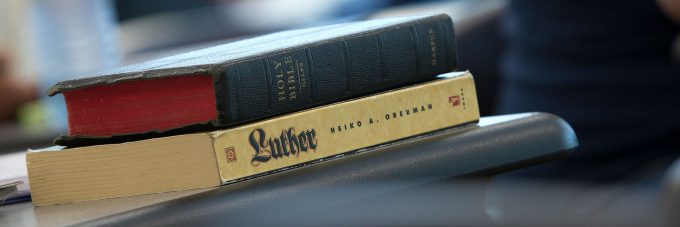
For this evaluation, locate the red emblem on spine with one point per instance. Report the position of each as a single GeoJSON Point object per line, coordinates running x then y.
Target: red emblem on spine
{"type": "Point", "coordinates": [454, 100]}
{"type": "Point", "coordinates": [231, 154]}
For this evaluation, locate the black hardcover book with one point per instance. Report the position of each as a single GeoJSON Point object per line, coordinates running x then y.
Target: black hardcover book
{"type": "Point", "coordinates": [256, 78]}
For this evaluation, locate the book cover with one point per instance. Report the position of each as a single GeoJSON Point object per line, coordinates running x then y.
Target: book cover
{"type": "Point", "coordinates": [227, 156]}
{"type": "Point", "coordinates": [256, 78]}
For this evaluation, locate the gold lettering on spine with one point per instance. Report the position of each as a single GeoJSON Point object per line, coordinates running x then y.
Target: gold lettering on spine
{"type": "Point", "coordinates": [301, 74]}
{"type": "Point", "coordinates": [290, 74]}
{"type": "Point", "coordinates": [290, 78]}
{"type": "Point", "coordinates": [433, 46]}
{"type": "Point", "coordinates": [280, 85]}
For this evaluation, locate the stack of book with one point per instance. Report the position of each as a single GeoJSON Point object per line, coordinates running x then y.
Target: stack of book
{"type": "Point", "coordinates": [254, 107]}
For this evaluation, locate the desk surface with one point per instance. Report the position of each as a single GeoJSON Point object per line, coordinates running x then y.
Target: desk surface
{"type": "Point", "coordinates": [495, 144]}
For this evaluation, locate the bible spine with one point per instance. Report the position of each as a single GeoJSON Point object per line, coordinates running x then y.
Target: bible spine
{"type": "Point", "coordinates": [339, 69]}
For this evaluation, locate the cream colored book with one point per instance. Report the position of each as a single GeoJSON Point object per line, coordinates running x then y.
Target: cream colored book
{"type": "Point", "coordinates": [200, 160]}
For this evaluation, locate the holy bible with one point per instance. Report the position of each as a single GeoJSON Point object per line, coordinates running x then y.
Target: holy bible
{"type": "Point", "coordinates": [257, 78]}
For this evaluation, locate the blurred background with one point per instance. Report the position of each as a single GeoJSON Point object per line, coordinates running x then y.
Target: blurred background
{"type": "Point", "coordinates": [610, 68]}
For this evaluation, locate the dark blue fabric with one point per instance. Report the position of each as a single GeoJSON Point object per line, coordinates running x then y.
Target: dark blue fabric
{"type": "Point", "coordinates": [604, 66]}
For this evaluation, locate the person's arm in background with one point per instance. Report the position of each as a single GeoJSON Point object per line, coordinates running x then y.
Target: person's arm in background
{"type": "Point", "coordinates": [13, 91]}
{"type": "Point", "coordinates": [671, 8]}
